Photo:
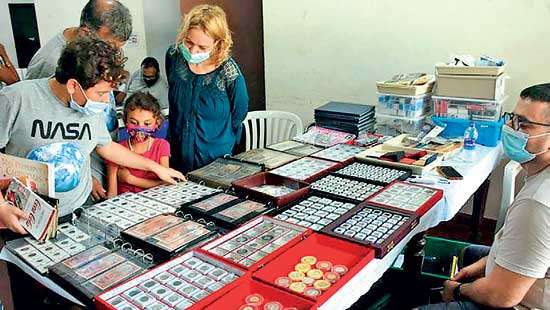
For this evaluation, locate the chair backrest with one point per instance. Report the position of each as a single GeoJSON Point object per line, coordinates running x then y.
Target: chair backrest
{"type": "Point", "coordinates": [511, 171]}
{"type": "Point", "coordinates": [263, 128]}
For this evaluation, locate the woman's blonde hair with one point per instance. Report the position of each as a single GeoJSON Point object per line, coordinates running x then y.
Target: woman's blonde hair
{"type": "Point", "coordinates": [210, 19]}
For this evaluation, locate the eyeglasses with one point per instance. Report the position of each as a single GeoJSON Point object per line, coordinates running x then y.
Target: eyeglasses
{"type": "Point", "coordinates": [518, 121]}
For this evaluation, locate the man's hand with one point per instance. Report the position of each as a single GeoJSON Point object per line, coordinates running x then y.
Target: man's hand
{"type": "Point", "coordinates": [448, 289]}
{"type": "Point", "coordinates": [471, 272]}
{"type": "Point", "coordinates": [98, 192]}
{"type": "Point", "coordinates": [10, 216]}
{"type": "Point", "coordinates": [168, 175]}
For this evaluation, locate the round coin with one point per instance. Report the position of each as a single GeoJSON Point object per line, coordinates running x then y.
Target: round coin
{"type": "Point", "coordinates": [298, 287]}
{"type": "Point", "coordinates": [315, 274]}
{"type": "Point", "coordinates": [283, 282]}
{"type": "Point", "coordinates": [301, 267]}
{"type": "Point", "coordinates": [340, 269]}
{"type": "Point", "coordinates": [331, 277]}
{"type": "Point", "coordinates": [324, 265]}
{"type": "Point", "coordinates": [254, 300]}
{"type": "Point", "coordinates": [273, 305]}
{"type": "Point", "coordinates": [310, 260]}
{"type": "Point", "coordinates": [312, 292]}
{"type": "Point", "coordinates": [322, 285]}
{"type": "Point", "coordinates": [296, 276]}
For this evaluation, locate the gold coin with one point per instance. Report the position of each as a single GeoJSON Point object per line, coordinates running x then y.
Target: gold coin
{"type": "Point", "coordinates": [296, 276]}
{"type": "Point", "coordinates": [302, 267]}
{"type": "Point", "coordinates": [322, 285]}
{"type": "Point", "coordinates": [310, 260]}
{"type": "Point", "coordinates": [315, 274]}
{"type": "Point", "coordinates": [298, 287]}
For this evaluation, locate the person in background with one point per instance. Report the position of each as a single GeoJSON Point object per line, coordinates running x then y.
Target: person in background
{"type": "Point", "coordinates": [148, 79]}
{"type": "Point", "coordinates": [207, 90]}
{"type": "Point", "coordinates": [8, 74]}
{"type": "Point", "coordinates": [68, 109]}
{"type": "Point", "coordinates": [111, 21]}
{"type": "Point", "coordinates": [515, 270]}
{"type": "Point", "coordinates": [142, 116]}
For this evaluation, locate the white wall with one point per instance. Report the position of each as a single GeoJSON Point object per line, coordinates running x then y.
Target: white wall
{"type": "Point", "coordinates": [162, 21]}
{"type": "Point", "coordinates": [317, 51]}
{"type": "Point", "coordinates": [55, 15]}
{"type": "Point", "coordinates": [6, 32]}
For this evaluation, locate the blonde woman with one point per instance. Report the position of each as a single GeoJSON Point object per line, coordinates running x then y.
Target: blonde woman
{"type": "Point", "coordinates": [207, 91]}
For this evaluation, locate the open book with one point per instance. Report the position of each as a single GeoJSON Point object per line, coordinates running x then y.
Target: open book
{"type": "Point", "coordinates": [42, 217]}
{"type": "Point", "coordinates": [41, 173]}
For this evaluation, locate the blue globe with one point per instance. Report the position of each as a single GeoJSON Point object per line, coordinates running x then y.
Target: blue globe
{"type": "Point", "coordinates": [67, 159]}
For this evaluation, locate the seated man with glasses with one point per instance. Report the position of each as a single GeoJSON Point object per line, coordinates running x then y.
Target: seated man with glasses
{"type": "Point", "coordinates": [515, 270]}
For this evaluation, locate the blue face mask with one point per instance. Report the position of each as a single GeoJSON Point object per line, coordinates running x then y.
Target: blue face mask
{"type": "Point", "coordinates": [90, 107]}
{"type": "Point", "coordinates": [514, 143]}
{"type": "Point", "coordinates": [193, 58]}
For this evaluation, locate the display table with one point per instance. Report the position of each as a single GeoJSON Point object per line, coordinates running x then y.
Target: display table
{"type": "Point", "coordinates": [475, 166]}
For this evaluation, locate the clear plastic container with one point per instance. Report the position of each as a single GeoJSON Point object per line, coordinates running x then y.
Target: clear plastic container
{"type": "Point", "coordinates": [466, 108]}
{"type": "Point", "coordinates": [395, 125]}
{"type": "Point", "coordinates": [404, 106]}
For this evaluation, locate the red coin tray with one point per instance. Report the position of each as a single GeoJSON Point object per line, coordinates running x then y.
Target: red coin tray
{"type": "Point", "coordinates": [247, 286]}
{"type": "Point", "coordinates": [102, 300]}
{"type": "Point", "coordinates": [245, 187]}
{"type": "Point", "coordinates": [324, 248]}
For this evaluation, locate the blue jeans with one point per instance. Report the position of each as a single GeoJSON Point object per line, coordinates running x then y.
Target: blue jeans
{"type": "Point", "coordinates": [471, 254]}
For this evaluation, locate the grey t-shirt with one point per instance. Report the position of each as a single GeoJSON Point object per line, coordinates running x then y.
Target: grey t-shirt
{"type": "Point", "coordinates": [159, 90]}
{"type": "Point", "coordinates": [523, 244]}
{"type": "Point", "coordinates": [44, 61]}
{"type": "Point", "coordinates": [32, 116]}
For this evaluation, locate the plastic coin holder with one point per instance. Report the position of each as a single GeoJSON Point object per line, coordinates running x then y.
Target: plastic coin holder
{"type": "Point", "coordinates": [315, 212]}
{"type": "Point", "coordinates": [408, 198]}
{"type": "Point", "coordinates": [339, 152]}
{"type": "Point", "coordinates": [373, 226]}
{"type": "Point", "coordinates": [184, 281]}
{"type": "Point", "coordinates": [305, 169]}
{"type": "Point", "coordinates": [179, 194]}
{"type": "Point", "coordinates": [372, 173]}
{"type": "Point", "coordinates": [254, 241]}
{"type": "Point", "coordinates": [354, 190]}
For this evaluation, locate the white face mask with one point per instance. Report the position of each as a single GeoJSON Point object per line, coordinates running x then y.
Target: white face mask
{"type": "Point", "coordinates": [193, 58]}
{"type": "Point", "coordinates": [91, 107]}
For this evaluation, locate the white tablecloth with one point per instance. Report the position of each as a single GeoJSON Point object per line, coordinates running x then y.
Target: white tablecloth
{"type": "Point", "coordinates": [475, 166]}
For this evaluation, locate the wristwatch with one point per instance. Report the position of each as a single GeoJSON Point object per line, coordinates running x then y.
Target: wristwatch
{"type": "Point", "coordinates": [456, 293]}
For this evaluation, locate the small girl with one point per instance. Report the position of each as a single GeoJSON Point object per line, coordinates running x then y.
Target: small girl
{"type": "Point", "coordinates": [142, 116]}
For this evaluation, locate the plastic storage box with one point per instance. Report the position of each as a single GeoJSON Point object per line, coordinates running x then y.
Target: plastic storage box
{"type": "Point", "coordinates": [488, 131]}
{"type": "Point", "coordinates": [466, 108]}
{"type": "Point", "coordinates": [405, 106]}
{"type": "Point", "coordinates": [395, 125]}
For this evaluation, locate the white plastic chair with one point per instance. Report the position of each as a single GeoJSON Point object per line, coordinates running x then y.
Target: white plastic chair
{"type": "Point", "coordinates": [511, 171]}
{"type": "Point", "coordinates": [264, 128]}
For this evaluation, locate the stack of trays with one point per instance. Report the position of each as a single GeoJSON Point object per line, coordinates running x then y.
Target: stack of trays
{"type": "Point", "coordinates": [348, 117]}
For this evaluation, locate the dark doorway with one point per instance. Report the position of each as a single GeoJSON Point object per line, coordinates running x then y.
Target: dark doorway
{"type": "Point", "coordinates": [25, 31]}
{"type": "Point", "coordinates": [246, 23]}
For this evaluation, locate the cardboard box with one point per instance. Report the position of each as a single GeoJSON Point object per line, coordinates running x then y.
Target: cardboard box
{"type": "Point", "coordinates": [471, 86]}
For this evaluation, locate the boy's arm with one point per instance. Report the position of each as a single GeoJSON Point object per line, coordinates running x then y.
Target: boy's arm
{"type": "Point", "coordinates": [112, 182]}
